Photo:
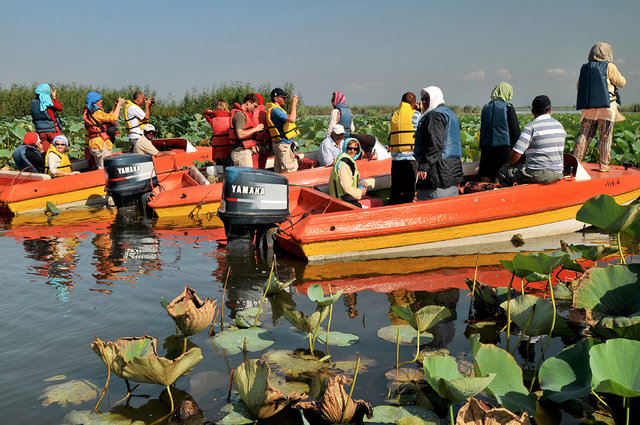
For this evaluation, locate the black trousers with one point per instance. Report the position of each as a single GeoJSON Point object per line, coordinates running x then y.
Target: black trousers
{"type": "Point", "coordinates": [403, 181]}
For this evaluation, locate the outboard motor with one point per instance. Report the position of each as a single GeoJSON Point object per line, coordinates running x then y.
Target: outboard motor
{"type": "Point", "coordinates": [129, 177]}
{"type": "Point", "coordinates": [252, 202]}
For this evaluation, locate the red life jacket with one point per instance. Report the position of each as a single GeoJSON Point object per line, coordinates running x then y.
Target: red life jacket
{"type": "Point", "coordinates": [246, 143]}
{"type": "Point", "coordinates": [92, 128]}
{"type": "Point", "coordinates": [219, 122]}
{"type": "Point", "coordinates": [260, 117]}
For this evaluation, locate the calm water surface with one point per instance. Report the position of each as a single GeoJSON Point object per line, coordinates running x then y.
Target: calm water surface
{"type": "Point", "coordinates": [73, 278]}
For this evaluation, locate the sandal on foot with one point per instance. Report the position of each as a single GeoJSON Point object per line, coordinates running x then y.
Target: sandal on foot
{"type": "Point", "coordinates": [604, 169]}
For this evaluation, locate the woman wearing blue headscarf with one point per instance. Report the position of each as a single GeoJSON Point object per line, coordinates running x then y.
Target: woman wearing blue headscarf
{"type": "Point", "coordinates": [44, 113]}
{"type": "Point", "coordinates": [96, 129]}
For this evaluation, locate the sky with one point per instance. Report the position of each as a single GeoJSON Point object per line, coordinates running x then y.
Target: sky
{"type": "Point", "coordinates": [373, 51]}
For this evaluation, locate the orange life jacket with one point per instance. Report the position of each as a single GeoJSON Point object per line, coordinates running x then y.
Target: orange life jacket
{"type": "Point", "coordinates": [260, 117]}
{"type": "Point", "coordinates": [219, 121]}
{"type": "Point", "coordinates": [233, 137]}
{"type": "Point", "coordinates": [93, 129]}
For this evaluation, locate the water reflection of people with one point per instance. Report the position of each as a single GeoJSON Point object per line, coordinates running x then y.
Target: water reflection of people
{"type": "Point", "coordinates": [59, 258]}
{"type": "Point", "coordinates": [350, 301]}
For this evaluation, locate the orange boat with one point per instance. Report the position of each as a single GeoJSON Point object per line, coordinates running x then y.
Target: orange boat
{"type": "Point", "coordinates": [30, 192]}
{"type": "Point", "coordinates": [324, 229]}
{"type": "Point", "coordinates": [203, 200]}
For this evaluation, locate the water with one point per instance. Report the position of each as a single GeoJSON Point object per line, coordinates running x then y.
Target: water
{"type": "Point", "coordinates": [77, 277]}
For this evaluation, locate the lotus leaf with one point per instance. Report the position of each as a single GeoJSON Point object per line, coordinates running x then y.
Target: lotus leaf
{"type": "Point", "coordinates": [407, 334]}
{"type": "Point", "coordinates": [488, 294]}
{"type": "Point", "coordinates": [604, 212]}
{"type": "Point", "coordinates": [280, 302]}
{"type": "Point", "coordinates": [331, 406]}
{"type": "Point", "coordinates": [72, 392]}
{"type": "Point", "coordinates": [115, 354]}
{"type": "Point", "coordinates": [610, 297]}
{"type": "Point", "coordinates": [539, 315]}
{"type": "Point", "coordinates": [305, 323]}
{"type": "Point", "coordinates": [247, 318]}
{"type": "Point", "coordinates": [288, 386]}
{"type": "Point", "coordinates": [234, 340]}
{"type": "Point", "coordinates": [539, 262]}
{"type": "Point", "coordinates": [442, 374]}
{"type": "Point", "coordinates": [349, 366]}
{"type": "Point", "coordinates": [190, 313]}
{"type": "Point", "coordinates": [423, 319]}
{"type": "Point", "coordinates": [294, 365]}
{"type": "Point", "coordinates": [567, 375]}
{"type": "Point", "coordinates": [316, 294]}
{"type": "Point", "coordinates": [275, 286]}
{"type": "Point", "coordinates": [392, 414]}
{"type": "Point", "coordinates": [562, 292]}
{"type": "Point", "coordinates": [237, 414]}
{"type": "Point", "coordinates": [507, 387]}
{"type": "Point", "coordinates": [404, 374]}
{"type": "Point", "coordinates": [340, 339]}
{"type": "Point", "coordinates": [477, 412]}
{"type": "Point", "coordinates": [508, 264]}
{"type": "Point", "coordinates": [251, 381]}
{"type": "Point", "coordinates": [89, 417]}
{"type": "Point", "coordinates": [594, 253]}
{"type": "Point", "coordinates": [615, 367]}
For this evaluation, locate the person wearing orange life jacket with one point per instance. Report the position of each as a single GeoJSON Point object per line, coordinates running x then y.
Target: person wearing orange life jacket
{"type": "Point", "coordinates": [96, 128]}
{"type": "Point", "coordinates": [242, 131]}
{"type": "Point", "coordinates": [262, 150]}
{"type": "Point", "coordinates": [56, 162]}
{"type": "Point", "coordinates": [404, 166]}
{"type": "Point", "coordinates": [135, 118]}
{"type": "Point", "coordinates": [283, 131]}
{"type": "Point", "coordinates": [218, 119]}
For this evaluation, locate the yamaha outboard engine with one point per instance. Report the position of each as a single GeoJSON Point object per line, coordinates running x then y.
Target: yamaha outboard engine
{"type": "Point", "coordinates": [130, 176]}
{"type": "Point", "coordinates": [252, 202]}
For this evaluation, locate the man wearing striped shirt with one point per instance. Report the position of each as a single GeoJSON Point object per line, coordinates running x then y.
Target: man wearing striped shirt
{"type": "Point", "coordinates": [543, 142]}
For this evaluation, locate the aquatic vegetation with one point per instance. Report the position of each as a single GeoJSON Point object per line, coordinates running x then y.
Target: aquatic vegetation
{"type": "Point", "coordinates": [402, 334]}
{"type": "Point", "coordinates": [534, 316]}
{"type": "Point", "coordinates": [422, 320]}
{"type": "Point", "coordinates": [191, 314]}
{"type": "Point", "coordinates": [71, 392]}
{"type": "Point", "coordinates": [610, 297]}
{"type": "Point", "coordinates": [477, 412]}
{"type": "Point", "coordinates": [237, 340]}
{"type": "Point", "coordinates": [595, 252]}
{"type": "Point", "coordinates": [272, 285]}
{"type": "Point", "coordinates": [251, 381]}
{"type": "Point", "coordinates": [396, 414]}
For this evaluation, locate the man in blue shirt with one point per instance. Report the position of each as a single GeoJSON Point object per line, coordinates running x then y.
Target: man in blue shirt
{"type": "Point", "coordinates": [282, 129]}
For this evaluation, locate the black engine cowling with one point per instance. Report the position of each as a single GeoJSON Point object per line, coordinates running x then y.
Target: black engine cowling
{"type": "Point", "coordinates": [129, 177]}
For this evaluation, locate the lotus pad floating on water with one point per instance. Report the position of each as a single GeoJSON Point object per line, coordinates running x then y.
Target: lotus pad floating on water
{"type": "Point", "coordinates": [190, 313]}
{"type": "Point", "coordinates": [235, 340]}
{"type": "Point", "coordinates": [405, 336]}
{"type": "Point", "coordinates": [534, 316]}
{"type": "Point", "coordinates": [610, 297]}
{"type": "Point", "coordinates": [392, 414]}
{"type": "Point", "coordinates": [423, 319]}
{"type": "Point", "coordinates": [340, 339]}
{"type": "Point", "coordinates": [442, 374]}
{"type": "Point", "coordinates": [72, 392]}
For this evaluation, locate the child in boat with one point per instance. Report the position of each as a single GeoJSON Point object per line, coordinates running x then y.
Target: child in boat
{"type": "Point", "coordinates": [57, 162]}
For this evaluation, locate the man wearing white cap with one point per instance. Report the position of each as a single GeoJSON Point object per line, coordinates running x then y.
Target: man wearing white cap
{"type": "Point", "coordinates": [331, 147]}
{"type": "Point", "coordinates": [145, 146]}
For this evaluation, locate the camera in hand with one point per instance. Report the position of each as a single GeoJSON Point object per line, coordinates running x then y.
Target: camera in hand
{"type": "Point", "coordinates": [153, 101]}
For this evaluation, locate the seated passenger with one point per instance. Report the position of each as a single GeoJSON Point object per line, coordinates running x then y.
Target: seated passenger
{"type": "Point", "coordinates": [29, 156]}
{"type": "Point", "coordinates": [57, 162]}
{"type": "Point", "coordinates": [543, 142]}
{"type": "Point", "coordinates": [144, 145]}
{"type": "Point", "coordinates": [371, 147]}
{"type": "Point", "coordinates": [345, 182]}
{"type": "Point", "coordinates": [331, 147]}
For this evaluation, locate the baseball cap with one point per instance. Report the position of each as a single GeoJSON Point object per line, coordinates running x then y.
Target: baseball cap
{"type": "Point", "coordinates": [338, 129]}
{"type": "Point", "coordinates": [149, 127]}
{"type": "Point", "coordinates": [278, 92]}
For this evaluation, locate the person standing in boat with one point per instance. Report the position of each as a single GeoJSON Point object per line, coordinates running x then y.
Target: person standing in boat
{"type": "Point", "coordinates": [44, 114]}
{"type": "Point", "coordinates": [283, 131]}
{"type": "Point", "coordinates": [542, 140]}
{"type": "Point", "coordinates": [57, 163]}
{"type": "Point", "coordinates": [29, 156]}
{"type": "Point", "coordinates": [340, 114]}
{"type": "Point", "coordinates": [345, 182]}
{"type": "Point", "coordinates": [499, 131]}
{"type": "Point", "coordinates": [438, 148]}
{"type": "Point", "coordinates": [404, 166]}
{"type": "Point", "coordinates": [262, 150]}
{"type": "Point", "coordinates": [144, 144]}
{"type": "Point", "coordinates": [218, 119]}
{"type": "Point", "coordinates": [597, 85]}
{"type": "Point", "coordinates": [99, 128]}
{"type": "Point", "coordinates": [135, 118]}
{"type": "Point", "coordinates": [331, 147]}
{"type": "Point", "coordinates": [243, 130]}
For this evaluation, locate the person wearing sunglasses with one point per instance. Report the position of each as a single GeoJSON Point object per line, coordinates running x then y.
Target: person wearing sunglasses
{"type": "Point", "coordinates": [345, 182]}
{"type": "Point", "coordinates": [57, 163]}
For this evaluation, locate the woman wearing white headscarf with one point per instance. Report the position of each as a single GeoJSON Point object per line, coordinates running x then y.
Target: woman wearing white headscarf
{"type": "Point", "coordinates": [596, 97]}
{"type": "Point", "coordinates": [438, 148]}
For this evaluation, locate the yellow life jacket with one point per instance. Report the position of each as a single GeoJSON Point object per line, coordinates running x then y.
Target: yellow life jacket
{"type": "Point", "coordinates": [65, 164]}
{"type": "Point", "coordinates": [290, 129]}
{"type": "Point", "coordinates": [335, 188]}
{"type": "Point", "coordinates": [127, 122]}
{"type": "Point", "coordinates": [402, 136]}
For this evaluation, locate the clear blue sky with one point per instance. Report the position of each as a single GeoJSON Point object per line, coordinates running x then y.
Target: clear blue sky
{"type": "Point", "coordinates": [373, 51]}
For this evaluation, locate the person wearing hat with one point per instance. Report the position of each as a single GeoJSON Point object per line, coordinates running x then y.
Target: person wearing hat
{"type": "Point", "coordinates": [57, 163]}
{"type": "Point", "coordinates": [144, 144]}
{"type": "Point", "coordinates": [283, 131]}
{"type": "Point", "coordinates": [543, 142]}
{"type": "Point", "coordinates": [45, 108]}
{"type": "Point", "coordinates": [331, 147]}
{"type": "Point", "coordinates": [340, 114]}
{"type": "Point", "coordinates": [134, 117]}
{"type": "Point", "coordinates": [29, 155]}
{"type": "Point", "coordinates": [99, 129]}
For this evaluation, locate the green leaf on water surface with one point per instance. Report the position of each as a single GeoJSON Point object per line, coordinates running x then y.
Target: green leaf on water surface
{"type": "Point", "coordinates": [507, 386]}
{"type": "Point", "coordinates": [51, 209]}
{"type": "Point", "coordinates": [407, 335]}
{"type": "Point", "coordinates": [246, 318]}
{"type": "Point", "coordinates": [615, 367]}
{"type": "Point", "coordinates": [393, 414]}
{"type": "Point", "coordinates": [238, 414]}
{"type": "Point", "coordinates": [567, 376]}
{"type": "Point", "coordinates": [89, 417]}
{"type": "Point", "coordinates": [316, 294]}
{"type": "Point", "coordinates": [349, 366]}
{"type": "Point", "coordinates": [306, 323]}
{"type": "Point", "coordinates": [539, 262]}
{"type": "Point", "coordinates": [174, 346]}
{"type": "Point", "coordinates": [233, 340]}
{"type": "Point", "coordinates": [72, 392]}
{"type": "Point", "coordinates": [442, 374]}
{"type": "Point", "coordinates": [605, 213]}
{"type": "Point", "coordinates": [275, 285]}
{"type": "Point", "coordinates": [404, 374]}
{"type": "Point", "coordinates": [288, 386]}
{"type": "Point", "coordinates": [610, 297]}
{"type": "Point", "coordinates": [340, 339]}
{"type": "Point", "coordinates": [423, 319]}
{"type": "Point", "coordinates": [523, 306]}
{"type": "Point", "coordinates": [594, 253]}
{"type": "Point", "coordinates": [294, 364]}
